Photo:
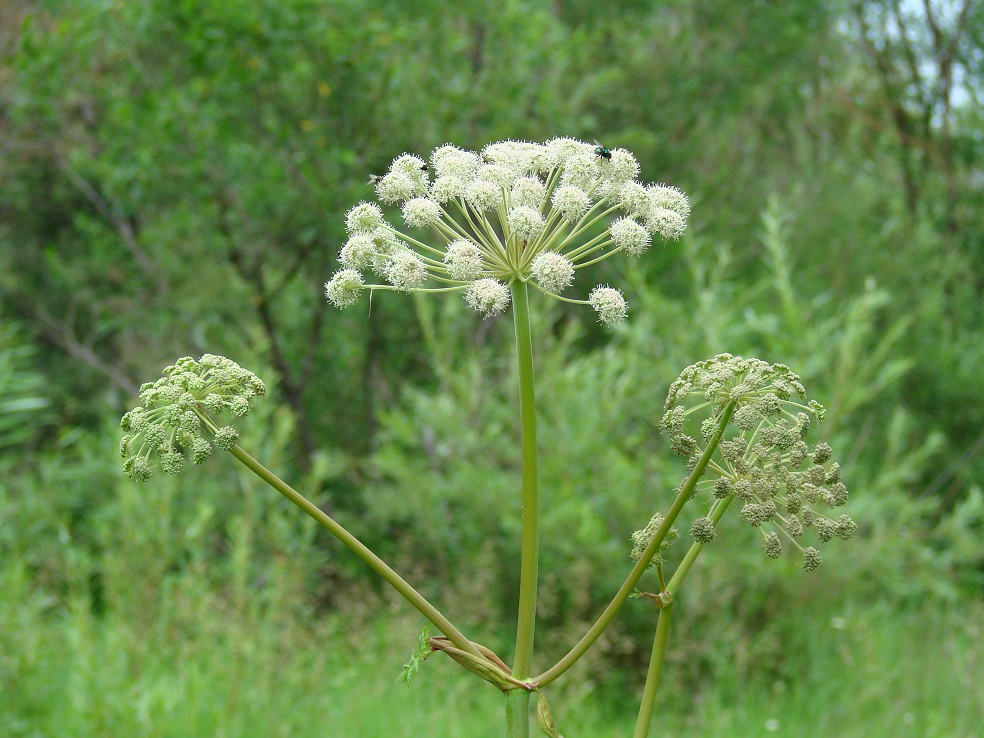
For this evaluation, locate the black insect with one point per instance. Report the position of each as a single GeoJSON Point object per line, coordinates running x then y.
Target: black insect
{"type": "Point", "coordinates": [424, 167]}
{"type": "Point", "coordinates": [602, 151]}
{"type": "Point", "coordinates": [374, 179]}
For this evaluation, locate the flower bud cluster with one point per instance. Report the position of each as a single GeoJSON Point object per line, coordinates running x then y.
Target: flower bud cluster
{"type": "Point", "coordinates": [642, 538]}
{"type": "Point", "coordinates": [174, 418]}
{"type": "Point", "coordinates": [763, 460]}
{"type": "Point", "coordinates": [530, 212]}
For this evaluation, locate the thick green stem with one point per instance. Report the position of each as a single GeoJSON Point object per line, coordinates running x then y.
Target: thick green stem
{"type": "Point", "coordinates": [517, 713]}
{"type": "Point", "coordinates": [361, 550]}
{"type": "Point", "coordinates": [655, 669]}
{"type": "Point", "coordinates": [640, 568]}
{"type": "Point", "coordinates": [526, 618]}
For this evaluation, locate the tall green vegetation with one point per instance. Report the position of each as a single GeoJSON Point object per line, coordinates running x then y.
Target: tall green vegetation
{"type": "Point", "coordinates": [149, 133]}
{"type": "Point", "coordinates": [151, 148]}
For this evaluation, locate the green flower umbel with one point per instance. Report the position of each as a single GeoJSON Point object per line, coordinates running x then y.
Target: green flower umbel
{"type": "Point", "coordinates": [765, 463]}
{"type": "Point", "coordinates": [642, 538]}
{"type": "Point", "coordinates": [175, 415]}
{"type": "Point", "coordinates": [536, 213]}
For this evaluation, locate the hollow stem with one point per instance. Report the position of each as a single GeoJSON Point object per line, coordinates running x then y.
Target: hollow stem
{"type": "Point", "coordinates": [529, 552]}
{"type": "Point", "coordinates": [517, 713]}
{"type": "Point", "coordinates": [715, 515]}
{"type": "Point", "coordinates": [663, 624]}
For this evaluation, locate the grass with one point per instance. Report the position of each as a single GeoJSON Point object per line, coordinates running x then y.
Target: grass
{"type": "Point", "coordinates": [193, 668]}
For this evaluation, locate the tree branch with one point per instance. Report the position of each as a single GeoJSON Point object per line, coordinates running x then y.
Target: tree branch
{"type": "Point", "coordinates": [123, 227]}
{"type": "Point", "coordinates": [60, 333]}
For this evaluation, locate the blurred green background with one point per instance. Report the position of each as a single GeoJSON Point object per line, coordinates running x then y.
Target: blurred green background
{"type": "Point", "coordinates": [173, 178]}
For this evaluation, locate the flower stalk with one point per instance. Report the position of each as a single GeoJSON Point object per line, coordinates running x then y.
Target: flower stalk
{"type": "Point", "coordinates": [655, 670]}
{"type": "Point", "coordinates": [595, 631]}
{"type": "Point", "coordinates": [423, 606]}
{"type": "Point", "coordinates": [530, 545]}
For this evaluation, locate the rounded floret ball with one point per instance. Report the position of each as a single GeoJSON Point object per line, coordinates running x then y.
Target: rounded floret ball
{"type": "Point", "coordinates": [552, 271]}
{"type": "Point", "coordinates": [344, 288]}
{"type": "Point", "coordinates": [487, 296]}
{"type": "Point", "coordinates": [609, 304]}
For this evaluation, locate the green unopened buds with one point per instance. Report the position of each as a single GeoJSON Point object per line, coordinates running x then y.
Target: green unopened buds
{"type": "Point", "coordinates": [642, 538]}
{"type": "Point", "coordinates": [703, 530]}
{"type": "Point", "coordinates": [176, 412]}
{"type": "Point", "coordinates": [763, 463]}
{"type": "Point", "coordinates": [517, 211]}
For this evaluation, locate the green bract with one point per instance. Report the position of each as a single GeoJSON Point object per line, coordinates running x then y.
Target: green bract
{"type": "Point", "coordinates": [176, 410]}
{"type": "Point", "coordinates": [530, 212]}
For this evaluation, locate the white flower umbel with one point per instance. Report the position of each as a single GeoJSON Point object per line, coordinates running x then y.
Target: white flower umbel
{"type": "Point", "coordinates": [528, 191]}
{"type": "Point", "coordinates": [628, 235]}
{"type": "Point", "coordinates": [525, 222]}
{"type": "Point", "coordinates": [396, 187]}
{"type": "Point", "coordinates": [517, 212]}
{"type": "Point", "coordinates": [487, 296]}
{"type": "Point", "coordinates": [344, 288]}
{"type": "Point", "coordinates": [405, 270]}
{"type": "Point", "coordinates": [622, 167]}
{"type": "Point", "coordinates": [358, 252]}
{"type": "Point", "coordinates": [571, 203]}
{"type": "Point", "coordinates": [421, 213]}
{"type": "Point", "coordinates": [609, 304]}
{"type": "Point", "coordinates": [464, 260]}
{"type": "Point", "coordinates": [552, 271]}
{"type": "Point", "coordinates": [364, 218]}
{"type": "Point", "coordinates": [484, 195]}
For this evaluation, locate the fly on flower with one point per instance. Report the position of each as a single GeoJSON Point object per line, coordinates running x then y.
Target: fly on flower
{"type": "Point", "coordinates": [513, 213]}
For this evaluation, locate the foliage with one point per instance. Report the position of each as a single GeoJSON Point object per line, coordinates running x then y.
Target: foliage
{"type": "Point", "coordinates": [239, 131]}
{"type": "Point", "coordinates": [256, 674]}
{"type": "Point", "coordinates": [172, 180]}
{"type": "Point", "coordinates": [22, 396]}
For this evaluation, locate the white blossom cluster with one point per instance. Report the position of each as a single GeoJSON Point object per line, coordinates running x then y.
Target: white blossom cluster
{"type": "Point", "coordinates": [516, 211]}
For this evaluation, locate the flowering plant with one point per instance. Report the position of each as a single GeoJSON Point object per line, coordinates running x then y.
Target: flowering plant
{"type": "Point", "coordinates": [514, 215]}
{"type": "Point", "coordinates": [516, 212]}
